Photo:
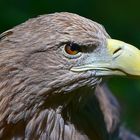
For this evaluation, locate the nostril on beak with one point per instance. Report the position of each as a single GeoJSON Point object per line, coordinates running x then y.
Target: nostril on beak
{"type": "Point", "coordinates": [117, 50]}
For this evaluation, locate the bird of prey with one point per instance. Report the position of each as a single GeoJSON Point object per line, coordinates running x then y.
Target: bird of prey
{"type": "Point", "coordinates": [51, 71]}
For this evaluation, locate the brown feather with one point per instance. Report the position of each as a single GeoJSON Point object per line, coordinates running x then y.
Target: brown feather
{"type": "Point", "coordinates": [40, 98]}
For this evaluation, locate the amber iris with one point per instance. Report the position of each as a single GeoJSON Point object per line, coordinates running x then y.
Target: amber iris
{"type": "Point", "coordinates": [72, 48]}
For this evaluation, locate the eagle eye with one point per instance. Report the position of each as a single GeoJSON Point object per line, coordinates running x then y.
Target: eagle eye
{"type": "Point", "coordinates": [72, 50]}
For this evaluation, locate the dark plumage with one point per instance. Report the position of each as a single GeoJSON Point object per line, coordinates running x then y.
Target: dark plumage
{"type": "Point", "coordinates": [41, 97]}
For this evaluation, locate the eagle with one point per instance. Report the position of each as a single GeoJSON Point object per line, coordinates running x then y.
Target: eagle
{"type": "Point", "coordinates": [52, 71]}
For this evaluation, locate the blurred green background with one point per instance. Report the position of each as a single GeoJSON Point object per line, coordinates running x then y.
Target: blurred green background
{"type": "Point", "coordinates": [121, 18]}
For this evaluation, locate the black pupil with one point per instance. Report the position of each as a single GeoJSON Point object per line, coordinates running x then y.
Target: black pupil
{"type": "Point", "coordinates": [74, 47]}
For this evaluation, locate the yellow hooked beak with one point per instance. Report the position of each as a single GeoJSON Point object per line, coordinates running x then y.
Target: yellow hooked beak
{"type": "Point", "coordinates": [124, 59]}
